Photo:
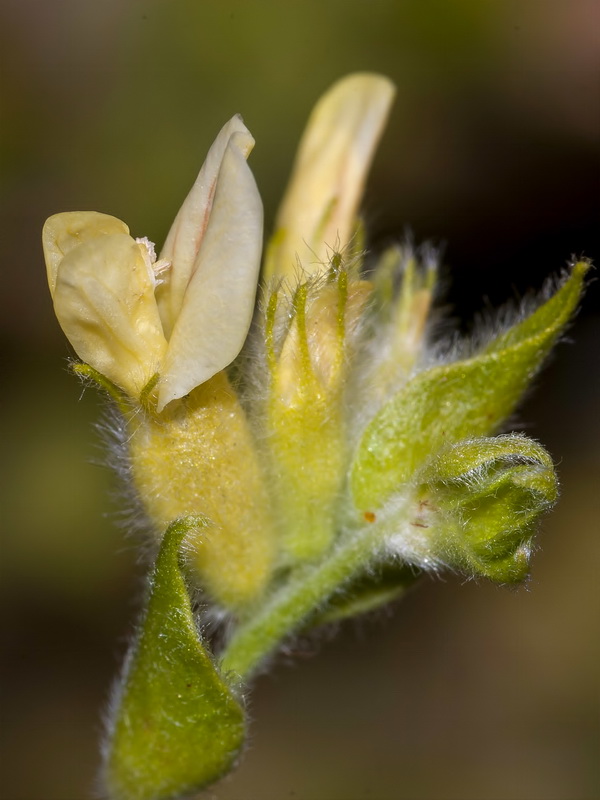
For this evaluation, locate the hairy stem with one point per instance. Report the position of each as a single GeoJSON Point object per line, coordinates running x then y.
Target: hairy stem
{"type": "Point", "coordinates": [308, 590]}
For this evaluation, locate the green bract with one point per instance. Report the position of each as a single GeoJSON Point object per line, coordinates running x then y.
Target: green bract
{"type": "Point", "coordinates": [452, 401]}
{"type": "Point", "coordinates": [179, 725]}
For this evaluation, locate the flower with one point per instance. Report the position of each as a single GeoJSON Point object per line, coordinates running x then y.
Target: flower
{"type": "Point", "coordinates": [333, 422]}
{"type": "Point", "coordinates": [184, 316]}
{"type": "Point", "coordinates": [300, 487]}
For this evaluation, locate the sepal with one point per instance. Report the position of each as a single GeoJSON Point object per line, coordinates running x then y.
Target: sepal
{"type": "Point", "coordinates": [177, 725]}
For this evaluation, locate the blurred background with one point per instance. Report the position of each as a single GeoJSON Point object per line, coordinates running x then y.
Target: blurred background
{"type": "Point", "coordinates": [463, 691]}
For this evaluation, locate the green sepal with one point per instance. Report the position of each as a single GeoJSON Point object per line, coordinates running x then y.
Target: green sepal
{"type": "Point", "coordinates": [487, 495]}
{"type": "Point", "coordinates": [368, 592]}
{"type": "Point", "coordinates": [453, 401]}
{"type": "Point", "coordinates": [122, 400]}
{"type": "Point", "coordinates": [178, 725]}
{"type": "Point", "coordinates": [87, 373]}
{"type": "Point", "coordinates": [305, 423]}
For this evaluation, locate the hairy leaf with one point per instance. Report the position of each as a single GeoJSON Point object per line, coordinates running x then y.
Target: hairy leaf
{"type": "Point", "coordinates": [178, 726]}
{"type": "Point", "coordinates": [463, 399]}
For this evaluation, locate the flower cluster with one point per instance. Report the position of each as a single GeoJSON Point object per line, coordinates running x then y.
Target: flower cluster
{"type": "Point", "coordinates": [306, 475]}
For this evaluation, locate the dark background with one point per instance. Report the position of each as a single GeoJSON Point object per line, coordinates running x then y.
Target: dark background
{"type": "Point", "coordinates": [463, 691]}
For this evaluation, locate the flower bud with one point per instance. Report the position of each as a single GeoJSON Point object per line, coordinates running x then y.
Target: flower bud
{"type": "Point", "coordinates": [486, 496]}
{"type": "Point", "coordinates": [305, 414]}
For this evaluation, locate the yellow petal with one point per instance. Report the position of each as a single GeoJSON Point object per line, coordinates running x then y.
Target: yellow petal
{"type": "Point", "coordinates": [318, 212]}
{"type": "Point", "coordinates": [219, 301]}
{"type": "Point", "coordinates": [104, 301]}
{"type": "Point", "coordinates": [63, 232]}
{"type": "Point", "coordinates": [183, 240]}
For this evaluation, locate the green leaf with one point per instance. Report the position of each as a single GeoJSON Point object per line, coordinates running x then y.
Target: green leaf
{"type": "Point", "coordinates": [178, 726]}
{"type": "Point", "coordinates": [454, 401]}
{"type": "Point", "coordinates": [488, 495]}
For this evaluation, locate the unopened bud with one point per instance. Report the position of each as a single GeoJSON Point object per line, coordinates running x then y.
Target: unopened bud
{"type": "Point", "coordinates": [491, 493]}
{"type": "Point", "coordinates": [305, 408]}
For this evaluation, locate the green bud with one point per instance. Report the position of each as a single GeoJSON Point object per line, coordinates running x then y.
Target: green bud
{"type": "Point", "coordinates": [452, 401]}
{"type": "Point", "coordinates": [177, 726]}
{"type": "Point", "coordinates": [486, 496]}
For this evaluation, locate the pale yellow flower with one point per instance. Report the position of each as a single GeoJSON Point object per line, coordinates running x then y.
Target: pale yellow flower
{"type": "Point", "coordinates": [319, 210]}
{"type": "Point", "coordinates": [183, 317]}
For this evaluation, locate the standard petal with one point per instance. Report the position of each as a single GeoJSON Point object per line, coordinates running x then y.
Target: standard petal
{"type": "Point", "coordinates": [319, 208]}
{"type": "Point", "coordinates": [105, 304]}
{"type": "Point", "coordinates": [219, 302]}
{"type": "Point", "coordinates": [183, 240]}
{"type": "Point", "coordinates": [63, 232]}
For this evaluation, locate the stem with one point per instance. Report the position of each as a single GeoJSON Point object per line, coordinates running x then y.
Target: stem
{"type": "Point", "coordinates": [307, 590]}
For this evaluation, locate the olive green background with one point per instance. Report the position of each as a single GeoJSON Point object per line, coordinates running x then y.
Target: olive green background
{"type": "Point", "coordinates": [463, 691]}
